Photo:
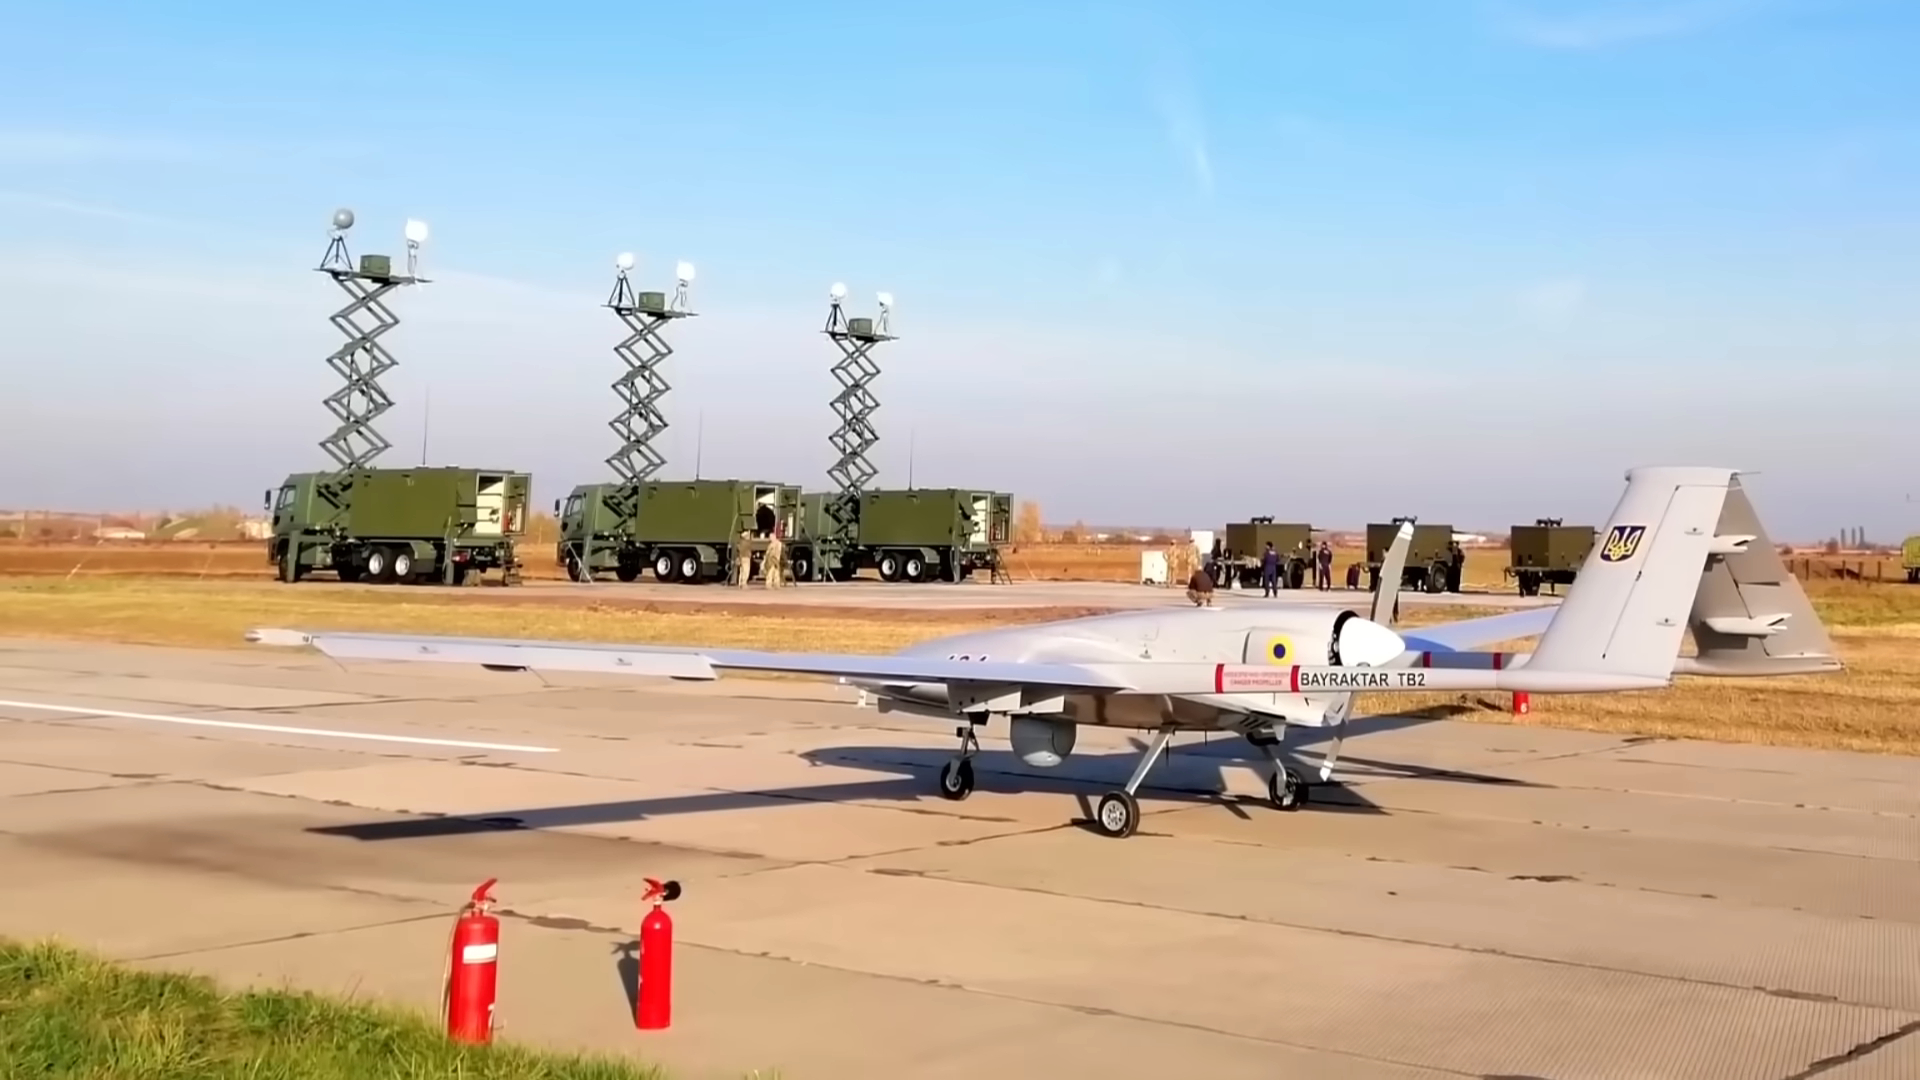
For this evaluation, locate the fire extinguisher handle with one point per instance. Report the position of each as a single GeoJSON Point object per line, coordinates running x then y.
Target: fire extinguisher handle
{"type": "Point", "coordinates": [480, 895]}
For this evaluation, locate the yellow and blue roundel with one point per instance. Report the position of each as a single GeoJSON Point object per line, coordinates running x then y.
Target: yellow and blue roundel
{"type": "Point", "coordinates": [1280, 650]}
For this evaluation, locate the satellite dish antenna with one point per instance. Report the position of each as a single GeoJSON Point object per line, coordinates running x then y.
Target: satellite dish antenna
{"type": "Point", "coordinates": [342, 219]}
{"type": "Point", "coordinates": [416, 231]}
{"type": "Point", "coordinates": [623, 262]}
{"type": "Point", "coordinates": [683, 272]}
{"type": "Point", "coordinates": [886, 299]}
{"type": "Point", "coordinates": [837, 293]}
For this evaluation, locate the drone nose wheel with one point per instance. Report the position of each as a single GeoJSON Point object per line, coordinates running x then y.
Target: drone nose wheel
{"type": "Point", "coordinates": [1118, 814]}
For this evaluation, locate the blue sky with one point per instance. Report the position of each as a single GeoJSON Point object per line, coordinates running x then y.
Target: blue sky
{"type": "Point", "coordinates": [1154, 262]}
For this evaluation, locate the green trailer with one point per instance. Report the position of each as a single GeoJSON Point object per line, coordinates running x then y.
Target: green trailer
{"type": "Point", "coordinates": [399, 526]}
{"type": "Point", "coordinates": [906, 535]}
{"type": "Point", "coordinates": [1910, 559]}
{"type": "Point", "coordinates": [1548, 552]}
{"type": "Point", "coordinates": [1244, 544]}
{"type": "Point", "coordinates": [687, 531]}
{"type": "Point", "coordinates": [1428, 556]}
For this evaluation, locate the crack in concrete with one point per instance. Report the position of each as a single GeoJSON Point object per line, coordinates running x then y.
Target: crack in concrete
{"type": "Point", "coordinates": [298, 935]}
{"type": "Point", "coordinates": [1391, 939]}
{"type": "Point", "coordinates": [1856, 1052]}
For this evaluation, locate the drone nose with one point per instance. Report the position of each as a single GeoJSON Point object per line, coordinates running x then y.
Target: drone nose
{"type": "Point", "coordinates": [1365, 643]}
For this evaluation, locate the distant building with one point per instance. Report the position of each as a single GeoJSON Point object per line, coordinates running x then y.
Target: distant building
{"type": "Point", "coordinates": [255, 529]}
{"type": "Point", "coordinates": [116, 532]}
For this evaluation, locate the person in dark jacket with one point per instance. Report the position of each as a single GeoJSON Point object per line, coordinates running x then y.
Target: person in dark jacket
{"type": "Point", "coordinates": [1323, 567]}
{"type": "Point", "coordinates": [1456, 565]}
{"type": "Point", "coordinates": [1200, 588]}
{"type": "Point", "coordinates": [1270, 572]}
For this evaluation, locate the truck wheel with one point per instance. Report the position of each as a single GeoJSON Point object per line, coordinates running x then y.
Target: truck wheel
{"type": "Point", "coordinates": [403, 566]}
{"type": "Point", "coordinates": [1297, 575]}
{"type": "Point", "coordinates": [574, 570]}
{"type": "Point", "coordinates": [663, 566]}
{"type": "Point", "coordinates": [690, 568]}
{"type": "Point", "coordinates": [627, 570]}
{"type": "Point", "coordinates": [889, 567]}
{"type": "Point", "coordinates": [800, 567]}
{"type": "Point", "coordinates": [916, 568]}
{"type": "Point", "coordinates": [379, 566]}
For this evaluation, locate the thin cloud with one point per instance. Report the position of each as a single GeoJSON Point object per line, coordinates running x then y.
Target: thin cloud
{"type": "Point", "coordinates": [1554, 301]}
{"type": "Point", "coordinates": [24, 148]}
{"type": "Point", "coordinates": [1185, 129]}
{"type": "Point", "coordinates": [1620, 22]}
{"type": "Point", "coordinates": [55, 205]}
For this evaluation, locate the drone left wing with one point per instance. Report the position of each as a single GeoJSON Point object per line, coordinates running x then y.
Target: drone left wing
{"type": "Point", "coordinates": [669, 662]}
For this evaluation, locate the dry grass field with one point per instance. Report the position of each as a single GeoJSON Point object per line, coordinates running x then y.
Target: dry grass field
{"type": "Point", "coordinates": [228, 560]}
{"type": "Point", "coordinates": [1874, 706]}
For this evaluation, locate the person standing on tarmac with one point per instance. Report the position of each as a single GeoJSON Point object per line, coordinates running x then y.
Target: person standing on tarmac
{"type": "Point", "coordinates": [1456, 565]}
{"type": "Point", "coordinates": [773, 565]}
{"type": "Point", "coordinates": [1323, 567]}
{"type": "Point", "coordinates": [743, 559]}
{"type": "Point", "coordinates": [1270, 572]}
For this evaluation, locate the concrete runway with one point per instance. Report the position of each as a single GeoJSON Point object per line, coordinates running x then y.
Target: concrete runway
{"type": "Point", "coordinates": [1479, 901]}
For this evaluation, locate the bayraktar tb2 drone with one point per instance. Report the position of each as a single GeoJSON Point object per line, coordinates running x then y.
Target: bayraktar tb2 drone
{"type": "Point", "coordinates": [1683, 551]}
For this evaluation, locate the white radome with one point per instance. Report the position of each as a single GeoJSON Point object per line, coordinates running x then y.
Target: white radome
{"type": "Point", "coordinates": [416, 231]}
{"type": "Point", "coordinates": [838, 292]}
{"type": "Point", "coordinates": [886, 299]}
{"type": "Point", "coordinates": [684, 271]}
{"type": "Point", "coordinates": [623, 261]}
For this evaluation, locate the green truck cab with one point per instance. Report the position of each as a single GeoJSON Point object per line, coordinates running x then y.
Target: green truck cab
{"type": "Point", "coordinates": [596, 529]}
{"type": "Point", "coordinates": [687, 531]}
{"type": "Point", "coordinates": [1910, 559]}
{"type": "Point", "coordinates": [399, 526]}
{"type": "Point", "coordinates": [906, 535]}
{"type": "Point", "coordinates": [1427, 555]}
{"type": "Point", "coordinates": [1548, 552]}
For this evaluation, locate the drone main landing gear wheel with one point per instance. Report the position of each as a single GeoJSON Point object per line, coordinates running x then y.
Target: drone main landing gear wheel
{"type": "Point", "coordinates": [956, 776]}
{"type": "Point", "coordinates": [1118, 812]}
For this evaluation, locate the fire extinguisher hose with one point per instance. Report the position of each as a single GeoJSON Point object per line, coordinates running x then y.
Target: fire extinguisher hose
{"type": "Point", "coordinates": [446, 980]}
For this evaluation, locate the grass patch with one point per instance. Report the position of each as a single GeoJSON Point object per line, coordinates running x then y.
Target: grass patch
{"type": "Point", "coordinates": [68, 1014]}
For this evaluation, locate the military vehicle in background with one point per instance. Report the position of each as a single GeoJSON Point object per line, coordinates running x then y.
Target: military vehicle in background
{"type": "Point", "coordinates": [686, 531]}
{"type": "Point", "coordinates": [595, 526]}
{"type": "Point", "coordinates": [1910, 559]}
{"type": "Point", "coordinates": [904, 535]}
{"type": "Point", "coordinates": [1427, 557]}
{"type": "Point", "coordinates": [1548, 552]}
{"type": "Point", "coordinates": [399, 526]}
{"type": "Point", "coordinates": [1245, 544]}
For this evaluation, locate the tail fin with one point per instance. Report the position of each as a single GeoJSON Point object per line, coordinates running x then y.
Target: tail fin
{"type": "Point", "coordinates": [1628, 609]}
{"type": "Point", "coordinates": [1751, 617]}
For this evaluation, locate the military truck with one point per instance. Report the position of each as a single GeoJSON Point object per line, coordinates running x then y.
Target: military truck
{"type": "Point", "coordinates": [1548, 552]}
{"type": "Point", "coordinates": [399, 526]}
{"type": "Point", "coordinates": [595, 528]}
{"type": "Point", "coordinates": [909, 534]}
{"type": "Point", "coordinates": [1910, 559]}
{"type": "Point", "coordinates": [1245, 544]}
{"type": "Point", "coordinates": [1427, 555]}
{"type": "Point", "coordinates": [688, 531]}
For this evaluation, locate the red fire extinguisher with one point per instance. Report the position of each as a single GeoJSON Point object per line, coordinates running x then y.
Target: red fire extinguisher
{"type": "Point", "coordinates": [473, 971]}
{"type": "Point", "coordinates": [653, 1005]}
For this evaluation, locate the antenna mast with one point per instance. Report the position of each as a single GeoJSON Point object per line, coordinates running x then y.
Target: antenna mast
{"type": "Point", "coordinates": [640, 422]}
{"type": "Point", "coordinates": [362, 360]}
{"type": "Point", "coordinates": [855, 404]}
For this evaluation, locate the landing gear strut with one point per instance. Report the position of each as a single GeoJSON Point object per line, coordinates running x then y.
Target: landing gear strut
{"type": "Point", "coordinates": [1285, 787]}
{"type": "Point", "coordinates": [1118, 814]}
{"type": "Point", "coordinates": [956, 776]}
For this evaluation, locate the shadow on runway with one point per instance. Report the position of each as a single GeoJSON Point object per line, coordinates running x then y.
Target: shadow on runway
{"type": "Point", "coordinates": [1193, 772]}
